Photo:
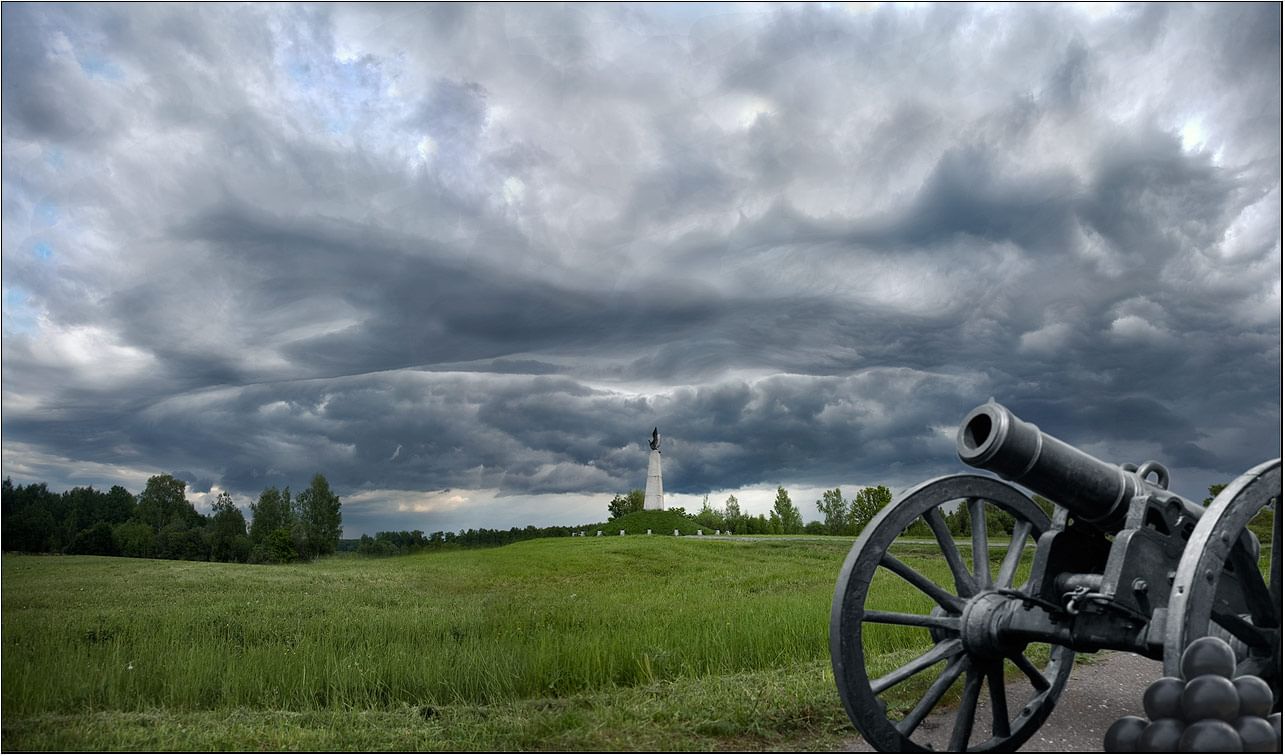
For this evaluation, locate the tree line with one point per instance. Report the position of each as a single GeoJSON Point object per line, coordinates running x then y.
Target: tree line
{"type": "Point", "coordinates": [161, 523]}
{"type": "Point", "coordinates": [397, 542]}
{"type": "Point", "coordinates": [842, 516]}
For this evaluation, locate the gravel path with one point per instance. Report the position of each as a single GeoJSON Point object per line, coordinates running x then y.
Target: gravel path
{"type": "Point", "coordinates": [1097, 694]}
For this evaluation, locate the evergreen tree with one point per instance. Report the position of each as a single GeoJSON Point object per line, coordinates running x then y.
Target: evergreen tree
{"type": "Point", "coordinates": [118, 506]}
{"type": "Point", "coordinates": [228, 539]}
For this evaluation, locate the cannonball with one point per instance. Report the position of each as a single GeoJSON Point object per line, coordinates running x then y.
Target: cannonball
{"type": "Point", "coordinates": [1209, 736]}
{"type": "Point", "coordinates": [1122, 735]}
{"type": "Point", "coordinates": [1208, 656]}
{"type": "Point", "coordinates": [1275, 721]}
{"type": "Point", "coordinates": [1210, 697]}
{"type": "Point", "coordinates": [1161, 736]}
{"type": "Point", "coordinates": [1255, 696]}
{"type": "Point", "coordinates": [1256, 735]}
{"type": "Point", "coordinates": [1163, 699]}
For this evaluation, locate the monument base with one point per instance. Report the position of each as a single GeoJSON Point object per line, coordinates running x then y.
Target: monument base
{"type": "Point", "coordinates": [655, 498]}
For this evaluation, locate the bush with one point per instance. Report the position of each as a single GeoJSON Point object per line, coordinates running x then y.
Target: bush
{"type": "Point", "coordinates": [277, 548]}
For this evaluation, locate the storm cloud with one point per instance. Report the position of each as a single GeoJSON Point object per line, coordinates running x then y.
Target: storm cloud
{"type": "Point", "coordinates": [464, 253]}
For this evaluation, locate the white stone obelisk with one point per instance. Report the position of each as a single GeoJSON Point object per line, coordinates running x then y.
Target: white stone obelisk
{"type": "Point", "coordinates": [655, 498]}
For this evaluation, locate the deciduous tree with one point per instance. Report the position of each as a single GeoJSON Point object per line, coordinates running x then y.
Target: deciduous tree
{"type": "Point", "coordinates": [270, 513]}
{"type": "Point", "coordinates": [135, 539]}
{"type": "Point", "coordinates": [733, 508]}
{"type": "Point", "coordinates": [320, 518]}
{"type": "Point", "coordinates": [623, 505]}
{"type": "Point", "coordinates": [835, 511]}
{"type": "Point", "coordinates": [96, 539]}
{"type": "Point", "coordinates": [791, 519]}
{"type": "Point", "coordinates": [865, 505]}
{"type": "Point", "coordinates": [162, 501]}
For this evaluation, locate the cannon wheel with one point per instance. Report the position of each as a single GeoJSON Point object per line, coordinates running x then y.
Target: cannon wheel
{"type": "Point", "coordinates": [861, 694]}
{"type": "Point", "coordinates": [1256, 635]}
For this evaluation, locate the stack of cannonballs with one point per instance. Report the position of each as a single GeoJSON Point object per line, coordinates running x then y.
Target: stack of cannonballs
{"type": "Point", "coordinates": [1205, 712]}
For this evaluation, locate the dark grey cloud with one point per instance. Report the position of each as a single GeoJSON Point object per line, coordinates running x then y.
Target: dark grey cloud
{"type": "Point", "coordinates": [463, 258]}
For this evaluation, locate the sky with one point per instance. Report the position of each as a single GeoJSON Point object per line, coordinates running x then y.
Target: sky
{"type": "Point", "coordinates": [462, 259]}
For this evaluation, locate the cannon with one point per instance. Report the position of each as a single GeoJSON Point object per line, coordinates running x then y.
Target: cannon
{"type": "Point", "coordinates": [1120, 562]}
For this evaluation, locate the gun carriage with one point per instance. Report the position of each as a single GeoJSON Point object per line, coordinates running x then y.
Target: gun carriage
{"type": "Point", "coordinates": [1122, 563]}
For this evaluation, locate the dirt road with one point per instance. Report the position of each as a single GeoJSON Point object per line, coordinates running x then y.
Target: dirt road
{"type": "Point", "coordinates": [1097, 694]}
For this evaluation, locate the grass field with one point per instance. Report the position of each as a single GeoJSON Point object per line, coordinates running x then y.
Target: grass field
{"type": "Point", "coordinates": [560, 644]}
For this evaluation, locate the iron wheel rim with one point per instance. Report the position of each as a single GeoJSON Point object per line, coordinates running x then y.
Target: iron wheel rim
{"type": "Point", "coordinates": [1209, 549]}
{"type": "Point", "coordinates": [867, 711]}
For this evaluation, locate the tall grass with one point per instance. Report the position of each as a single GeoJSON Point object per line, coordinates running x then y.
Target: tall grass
{"type": "Point", "coordinates": [538, 619]}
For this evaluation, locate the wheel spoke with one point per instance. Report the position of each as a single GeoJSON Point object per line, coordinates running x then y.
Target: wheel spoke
{"type": "Point", "coordinates": [967, 711]}
{"type": "Point", "coordinates": [943, 650]}
{"type": "Point", "coordinates": [938, 689]}
{"type": "Point", "coordinates": [1008, 568]}
{"type": "Point", "coordinates": [937, 593]}
{"type": "Point", "coordinates": [1237, 626]}
{"type": "Point", "coordinates": [981, 549]}
{"type": "Point", "coordinates": [1258, 666]}
{"type": "Point", "coordinates": [1257, 596]}
{"type": "Point", "coordinates": [963, 580]}
{"type": "Point", "coordinates": [1037, 677]}
{"type": "Point", "coordinates": [913, 620]}
{"type": "Point", "coordinates": [999, 701]}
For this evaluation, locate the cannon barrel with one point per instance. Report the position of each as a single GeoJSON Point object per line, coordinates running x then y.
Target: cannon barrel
{"type": "Point", "coordinates": [992, 438]}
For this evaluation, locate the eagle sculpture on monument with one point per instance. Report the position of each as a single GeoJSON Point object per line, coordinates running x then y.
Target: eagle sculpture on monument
{"type": "Point", "coordinates": [655, 439]}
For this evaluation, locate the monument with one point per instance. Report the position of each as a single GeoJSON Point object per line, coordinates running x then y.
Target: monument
{"type": "Point", "coordinates": [655, 498]}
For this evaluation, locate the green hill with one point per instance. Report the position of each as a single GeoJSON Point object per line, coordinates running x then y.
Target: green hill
{"type": "Point", "coordinates": [658, 521]}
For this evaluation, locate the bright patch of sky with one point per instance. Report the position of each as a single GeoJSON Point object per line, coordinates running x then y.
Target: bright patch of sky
{"type": "Point", "coordinates": [347, 94]}
{"type": "Point", "coordinates": [46, 214]}
{"type": "Point", "coordinates": [20, 316]}
{"type": "Point", "coordinates": [1194, 135]}
{"type": "Point", "coordinates": [100, 68]}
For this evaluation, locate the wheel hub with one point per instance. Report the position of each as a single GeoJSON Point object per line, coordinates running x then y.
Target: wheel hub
{"type": "Point", "coordinates": [979, 625]}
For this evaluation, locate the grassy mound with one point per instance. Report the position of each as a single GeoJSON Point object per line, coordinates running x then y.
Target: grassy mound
{"type": "Point", "coordinates": [593, 644]}
{"type": "Point", "coordinates": [660, 522]}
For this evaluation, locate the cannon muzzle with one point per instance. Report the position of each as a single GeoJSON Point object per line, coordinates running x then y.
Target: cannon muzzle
{"type": "Point", "coordinates": [993, 438]}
